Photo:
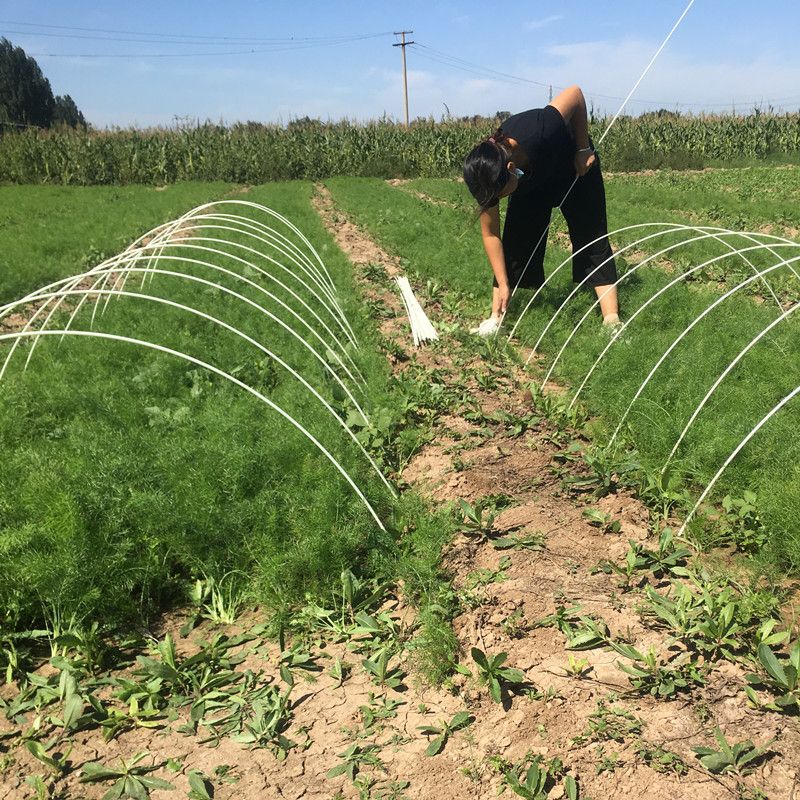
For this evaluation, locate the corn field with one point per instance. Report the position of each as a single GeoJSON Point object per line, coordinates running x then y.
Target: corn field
{"type": "Point", "coordinates": [255, 153]}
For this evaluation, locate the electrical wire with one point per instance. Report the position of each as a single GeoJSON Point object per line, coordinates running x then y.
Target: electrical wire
{"type": "Point", "coordinates": [189, 37]}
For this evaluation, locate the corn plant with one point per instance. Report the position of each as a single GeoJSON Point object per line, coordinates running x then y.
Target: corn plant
{"type": "Point", "coordinates": [443, 731]}
{"type": "Point", "coordinates": [130, 780]}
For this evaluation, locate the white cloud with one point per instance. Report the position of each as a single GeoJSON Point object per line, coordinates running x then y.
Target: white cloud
{"type": "Point", "coordinates": [536, 24]}
{"type": "Point", "coordinates": [674, 81]}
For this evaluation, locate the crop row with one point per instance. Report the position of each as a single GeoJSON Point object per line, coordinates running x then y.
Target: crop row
{"type": "Point", "coordinates": [255, 153]}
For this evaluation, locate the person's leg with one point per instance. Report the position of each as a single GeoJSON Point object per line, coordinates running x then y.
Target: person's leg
{"type": "Point", "coordinates": [593, 260]}
{"type": "Point", "coordinates": [609, 303]}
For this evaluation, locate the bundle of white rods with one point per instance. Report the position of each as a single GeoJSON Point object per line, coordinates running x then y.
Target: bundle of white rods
{"type": "Point", "coordinates": [421, 328]}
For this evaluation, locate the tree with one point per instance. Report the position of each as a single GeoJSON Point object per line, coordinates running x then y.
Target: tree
{"type": "Point", "coordinates": [25, 94]}
{"type": "Point", "coordinates": [65, 112]}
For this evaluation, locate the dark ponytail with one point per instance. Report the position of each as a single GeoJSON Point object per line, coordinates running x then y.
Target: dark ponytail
{"type": "Point", "coordinates": [485, 170]}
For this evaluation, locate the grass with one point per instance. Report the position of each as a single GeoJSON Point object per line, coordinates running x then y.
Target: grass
{"type": "Point", "coordinates": [137, 473]}
{"type": "Point", "coordinates": [51, 232]}
{"type": "Point", "coordinates": [443, 244]}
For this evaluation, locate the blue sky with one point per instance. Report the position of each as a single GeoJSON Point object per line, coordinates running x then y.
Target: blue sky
{"type": "Point", "coordinates": [723, 54]}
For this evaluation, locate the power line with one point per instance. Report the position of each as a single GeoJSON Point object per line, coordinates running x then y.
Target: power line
{"type": "Point", "coordinates": [191, 37]}
{"type": "Point", "coordinates": [261, 45]}
{"type": "Point", "coordinates": [297, 42]}
{"type": "Point", "coordinates": [251, 51]}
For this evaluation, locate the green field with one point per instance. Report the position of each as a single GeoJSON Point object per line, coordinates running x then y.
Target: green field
{"type": "Point", "coordinates": [441, 242]}
{"type": "Point", "coordinates": [172, 518]}
{"type": "Point", "coordinates": [200, 542]}
{"type": "Point", "coordinates": [137, 472]}
{"type": "Point", "coordinates": [156, 469]}
{"type": "Point", "coordinates": [313, 150]}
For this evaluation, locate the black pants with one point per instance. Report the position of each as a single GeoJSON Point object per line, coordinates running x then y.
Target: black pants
{"type": "Point", "coordinates": [527, 217]}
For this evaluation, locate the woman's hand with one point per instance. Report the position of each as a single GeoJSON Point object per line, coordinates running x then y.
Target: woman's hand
{"type": "Point", "coordinates": [584, 161]}
{"type": "Point", "coordinates": [502, 294]}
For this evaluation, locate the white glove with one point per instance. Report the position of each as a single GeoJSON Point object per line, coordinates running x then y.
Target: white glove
{"type": "Point", "coordinates": [487, 327]}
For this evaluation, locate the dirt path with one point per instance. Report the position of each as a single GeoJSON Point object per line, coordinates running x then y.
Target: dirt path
{"type": "Point", "coordinates": [563, 711]}
{"type": "Point", "coordinates": [533, 583]}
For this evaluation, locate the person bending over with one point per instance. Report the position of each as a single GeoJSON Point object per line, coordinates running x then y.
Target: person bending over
{"type": "Point", "coordinates": [532, 159]}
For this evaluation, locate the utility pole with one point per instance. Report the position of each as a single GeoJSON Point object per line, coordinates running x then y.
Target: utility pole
{"type": "Point", "coordinates": [403, 43]}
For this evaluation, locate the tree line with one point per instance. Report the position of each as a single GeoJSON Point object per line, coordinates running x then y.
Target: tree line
{"type": "Point", "coordinates": [26, 98]}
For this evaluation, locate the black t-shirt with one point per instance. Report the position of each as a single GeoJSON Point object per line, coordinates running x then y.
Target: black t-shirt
{"type": "Point", "coordinates": [550, 147]}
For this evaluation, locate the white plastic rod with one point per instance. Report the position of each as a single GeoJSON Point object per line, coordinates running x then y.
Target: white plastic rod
{"type": "Point", "coordinates": [238, 276]}
{"type": "Point", "coordinates": [294, 373]}
{"type": "Point", "coordinates": [668, 227]}
{"type": "Point", "coordinates": [421, 328]}
{"type": "Point", "coordinates": [216, 371]}
{"type": "Point", "coordinates": [638, 311]}
{"type": "Point", "coordinates": [264, 234]}
{"type": "Point", "coordinates": [196, 279]}
{"type": "Point", "coordinates": [191, 243]}
{"type": "Point", "coordinates": [722, 377]}
{"type": "Point", "coordinates": [684, 333]}
{"type": "Point", "coordinates": [733, 455]}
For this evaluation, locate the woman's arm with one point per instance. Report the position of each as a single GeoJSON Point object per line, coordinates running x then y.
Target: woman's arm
{"type": "Point", "coordinates": [493, 244]}
{"type": "Point", "coordinates": [571, 104]}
